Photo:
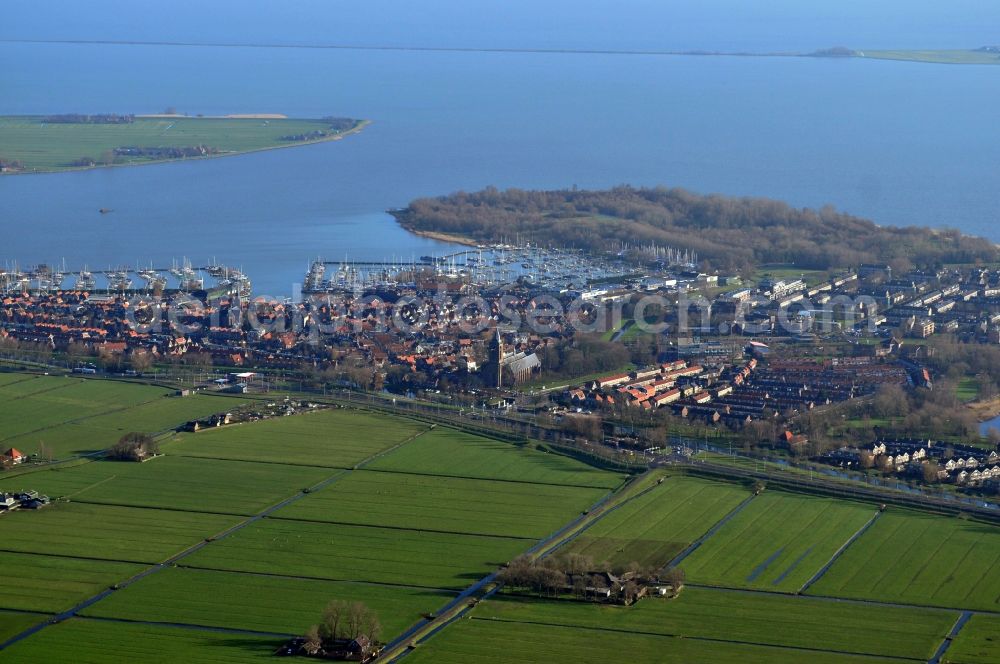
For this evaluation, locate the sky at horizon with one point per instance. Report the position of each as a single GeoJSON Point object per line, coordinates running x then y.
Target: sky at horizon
{"type": "Point", "coordinates": [728, 25]}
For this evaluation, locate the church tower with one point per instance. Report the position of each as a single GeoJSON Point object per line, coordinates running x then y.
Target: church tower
{"type": "Point", "coordinates": [496, 357]}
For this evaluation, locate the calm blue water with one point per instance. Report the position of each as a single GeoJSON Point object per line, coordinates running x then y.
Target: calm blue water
{"type": "Point", "coordinates": [984, 427]}
{"type": "Point", "coordinates": [899, 143]}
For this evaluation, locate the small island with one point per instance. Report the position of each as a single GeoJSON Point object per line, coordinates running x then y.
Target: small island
{"type": "Point", "coordinates": [52, 143]}
{"type": "Point", "coordinates": [984, 55]}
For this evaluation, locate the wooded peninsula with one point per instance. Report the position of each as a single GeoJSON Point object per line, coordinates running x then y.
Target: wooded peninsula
{"type": "Point", "coordinates": [728, 233]}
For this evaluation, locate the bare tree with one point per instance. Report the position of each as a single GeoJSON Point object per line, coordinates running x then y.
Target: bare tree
{"type": "Point", "coordinates": [580, 585]}
{"type": "Point", "coordinates": [141, 362]}
{"type": "Point", "coordinates": [675, 577]}
{"type": "Point", "coordinates": [134, 446]}
{"type": "Point", "coordinates": [930, 471]}
{"type": "Point", "coordinates": [333, 619]}
{"type": "Point", "coordinates": [362, 621]}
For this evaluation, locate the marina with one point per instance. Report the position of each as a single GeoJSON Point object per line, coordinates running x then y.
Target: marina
{"type": "Point", "coordinates": [182, 276]}
{"type": "Point", "coordinates": [485, 267]}
{"type": "Point", "coordinates": [495, 266]}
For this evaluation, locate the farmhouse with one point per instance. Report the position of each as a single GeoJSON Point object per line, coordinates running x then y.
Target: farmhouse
{"type": "Point", "coordinates": [14, 456]}
{"type": "Point", "coordinates": [22, 499]}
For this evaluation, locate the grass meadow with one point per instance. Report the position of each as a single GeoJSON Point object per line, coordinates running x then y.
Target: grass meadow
{"type": "Point", "coordinates": [76, 416]}
{"type": "Point", "coordinates": [655, 527]}
{"type": "Point", "coordinates": [177, 483]}
{"type": "Point", "coordinates": [53, 584]}
{"type": "Point", "coordinates": [359, 553]}
{"type": "Point", "coordinates": [452, 453]}
{"type": "Point", "coordinates": [107, 532]}
{"type": "Point", "coordinates": [459, 505]}
{"type": "Point", "coordinates": [751, 618]}
{"type": "Point", "coordinates": [977, 643]}
{"type": "Point", "coordinates": [13, 623]}
{"type": "Point", "coordinates": [918, 558]}
{"type": "Point", "coordinates": [339, 438]}
{"type": "Point", "coordinates": [84, 641]}
{"type": "Point", "coordinates": [487, 641]}
{"type": "Point", "coordinates": [44, 146]}
{"type": "Point", "coordinates": [260, 603]}
{"type": "Point", "coordinates": [777, 542]}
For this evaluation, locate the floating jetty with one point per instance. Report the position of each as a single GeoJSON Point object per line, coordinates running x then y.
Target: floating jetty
{"type": "Point", "coordinates": [186, 277]}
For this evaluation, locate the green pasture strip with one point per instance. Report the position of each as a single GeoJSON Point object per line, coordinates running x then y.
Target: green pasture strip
{"type": "Point", "coordinates": [100, 432]}
{"type": "Point", "coordinates": [43, 146]}
{"type": "Point", "coordinates": [453, 453]}
{"type": "Point", "coordinates": [177, 483]}
{"type": "Point", "coordinates": [486, 641]}
{"type": "Point", "coordinates": [449, 504]}
{"type": "Point", "coordinates": [12, 383]}
{"type": "Point", "coordinates": [359, 553]}
{"type": "Point", "coordinates": [656, 527]}
{"type": "Point", "coordinates": [916, 558]}
{"type": "Point", "coordinates": [337, 438]}
{"type": "Point", "coordinates": [54, 584]}
{"type": "Point", "coordinates": [260, 603]}
{"type": "Point", "coordinates": [107, 532]}
{"type": "Point", "coordinates": [65, 399]}
{"type": "Point", "coordinates": [84, 641]}
{"type": "Point", "coordinates": [778, 542]}
{"type": "Point", "coordinates": [13, 623]}
{"type": "Point", "coordinates": [747, 617]}
{"type": "Point", "coordinates": [977, 643]}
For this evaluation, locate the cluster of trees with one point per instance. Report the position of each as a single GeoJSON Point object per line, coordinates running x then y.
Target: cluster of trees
{"type": "Point", "coordinates": [160, 152]}
{"type": "Point", "coordinates": [134, 446]}
{"type": "Point", "coordinates": [309, 136]}
{"type": "Point", "coordinates": [954, 360]}
{"type": "Point", "coordinates": [11, 164]}
{"type": "Point", "coordinates": [578, 575]}
{"type": "Point", "coordinates": [584, 354]}
{"type": "Point", "coordinates": [342, 622]}
{"type": "Point", "coordinates": [340, 124]}
{"type": "Point", "coordinates": [79, 118]}
{"type": "Point", "coordinates": [734, 234]}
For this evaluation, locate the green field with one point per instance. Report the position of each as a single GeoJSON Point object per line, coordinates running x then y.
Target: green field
{"type": "Point", "coordinates": [107, 532]}
{"type": "Point", "coordinates": [84, 641]}
{"type": "Point", "coordinates": [359, 553]}
{"type": "Point", "coordinates": [75, 416]}
{"type": "Point", "coordinates": [451, 453]}
{"type": "Point", "coordinates": [49, 400]}
{"type": "Point", "coordinates": [967, 389]}
{"type": "Point", "coordinates": [494, 642]}
{"type": "Point", "coordinates": [42, 146]}
{"type": "Point", "coordinates": [747, 618]}
{"type": "Point", "coordinates": [451, 504]}
{"type": "Point", "coordinates": [13, 623]}
{"type": "Point", "coordinates": [652, 529]}
{"type": "Point", "coordinates": [54, 584]}
{"type": "Point", "coordinates": [334, 438]}
{"type": "Point", "coordinates": [920, 559]}
{"type": "Point", "coordinates": [439, 510]}
{"type": "Point", "coordinates": [260, 603]}
{"type": "Point", "coordinates": [942, 56]}
{"type": "Point", "coordinates": [177, 483]}
{"type": "Point", "coordinates": [977, 643]}
{"type": "Point", "coordinates": [778, 542]}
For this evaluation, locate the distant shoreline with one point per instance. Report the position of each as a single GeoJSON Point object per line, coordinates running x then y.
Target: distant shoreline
{"type": "Point", "coordinates": [358, 127]}
{"type": "Point", "coordinates": [433, 235]}
{"type": "Point", "coordinates": [980, 56]}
